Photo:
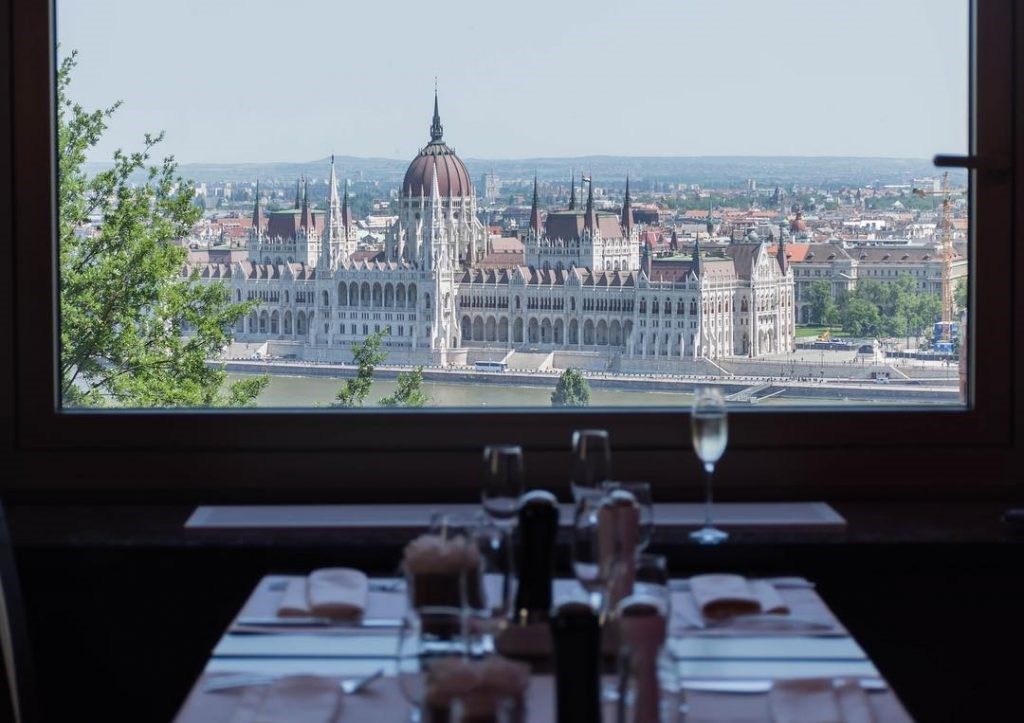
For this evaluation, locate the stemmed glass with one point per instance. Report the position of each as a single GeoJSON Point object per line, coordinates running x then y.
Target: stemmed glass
{"type": "Point", "coordinates": [710, 433]}
{"type": "Point", "coordinates": [592, 459]}
{"type": "Point", "coordinates": [502, 484]}
{"type": "Point", "coordinates": [586, 560]}
{"type": "Point", "coordinates": [501, 487]}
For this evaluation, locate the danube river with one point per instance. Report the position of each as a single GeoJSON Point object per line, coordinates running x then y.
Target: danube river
{"type": "Point", "coordinates": [297, 391]}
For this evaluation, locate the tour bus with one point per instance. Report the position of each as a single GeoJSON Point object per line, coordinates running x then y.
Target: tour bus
{"type": "Point", "coordinates": [491, 366]}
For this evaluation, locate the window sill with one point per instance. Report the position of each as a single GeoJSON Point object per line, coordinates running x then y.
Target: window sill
{"type": "Point", "coordinates": [107, 526]}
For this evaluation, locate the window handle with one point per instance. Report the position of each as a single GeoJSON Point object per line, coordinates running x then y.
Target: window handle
{"type": "Point", "coordinates": [997, 163]}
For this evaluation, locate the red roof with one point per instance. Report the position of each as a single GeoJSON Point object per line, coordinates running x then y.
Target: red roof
{"type": "Point", "coordinates": [452, 176]}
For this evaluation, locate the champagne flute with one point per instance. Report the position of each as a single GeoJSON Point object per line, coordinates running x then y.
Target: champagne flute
{"type": "Point", "coordinates": [592, 459]}
{"type": "Point", "coordinates": [502, 483]}
{"type": "Point", "coordinates": [710, 434]}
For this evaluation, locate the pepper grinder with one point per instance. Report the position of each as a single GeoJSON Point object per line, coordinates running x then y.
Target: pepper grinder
{"type": "Point", "coordinates": [538, 527]}
{"type": "Point", "coordinates": [576, 636]}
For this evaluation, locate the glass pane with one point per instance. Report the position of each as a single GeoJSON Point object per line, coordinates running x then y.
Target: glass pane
{"type": "Point", "coordinates": [645, 200]}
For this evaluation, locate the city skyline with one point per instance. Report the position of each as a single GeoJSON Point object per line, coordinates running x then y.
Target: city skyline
{"type": "Point", "coordinates": [751, 83]}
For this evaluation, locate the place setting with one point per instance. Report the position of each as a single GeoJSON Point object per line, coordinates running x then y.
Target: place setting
{"type": "Point", "coordinates": [478, 626]}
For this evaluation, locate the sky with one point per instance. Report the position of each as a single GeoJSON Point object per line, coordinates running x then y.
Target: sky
{"type": "Point", "coordinates": [237, 81]}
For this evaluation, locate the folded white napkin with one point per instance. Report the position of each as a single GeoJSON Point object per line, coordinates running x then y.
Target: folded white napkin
{"type": "Point", "coordinates": [722, 596]}
{"type": "Point", "coordinates": [336, 592]}
{"type": "Point", "coordinates": [819, 700]}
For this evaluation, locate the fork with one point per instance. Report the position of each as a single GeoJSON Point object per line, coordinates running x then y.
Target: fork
{"type": "Point", "coordinates": [349, 686]}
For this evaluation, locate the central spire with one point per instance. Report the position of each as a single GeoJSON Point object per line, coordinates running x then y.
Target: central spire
{"type": "Point", "coordinates": [436, 129]}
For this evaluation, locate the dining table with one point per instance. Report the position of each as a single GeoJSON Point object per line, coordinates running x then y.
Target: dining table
{"type": "Point", "coordinates": [727, 669]}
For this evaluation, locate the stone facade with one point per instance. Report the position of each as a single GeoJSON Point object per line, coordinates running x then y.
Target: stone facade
{"type": "Point", "coordinates": [589, 283]}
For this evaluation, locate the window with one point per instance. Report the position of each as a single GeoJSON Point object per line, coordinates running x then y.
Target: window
{"type": "Point", "coordinates": [654, 435]}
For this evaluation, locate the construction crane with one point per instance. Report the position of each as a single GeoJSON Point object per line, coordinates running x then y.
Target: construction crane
{"type": "Point", "coordinates": [946, 242]}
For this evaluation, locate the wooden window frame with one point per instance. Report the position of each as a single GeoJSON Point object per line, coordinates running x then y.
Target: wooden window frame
{"type": "Point", "coordinates": [379, 455]}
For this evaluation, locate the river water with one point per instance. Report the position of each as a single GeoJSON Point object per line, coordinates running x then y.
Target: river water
{"type": "Point", "coordinates": [300, 391]}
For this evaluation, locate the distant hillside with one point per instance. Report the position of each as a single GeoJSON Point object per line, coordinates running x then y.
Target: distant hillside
{"type": "Point", "coordinates": [717, 171]}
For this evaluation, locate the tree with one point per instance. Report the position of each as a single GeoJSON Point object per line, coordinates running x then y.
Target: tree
{"type": "Point", "coordinates": [860, 317]}
{"type": "Point", "coordinates": [410, 391]}
{"type": "Point", "coordinates": [960, 295]}
{"type": "Point", "coordinates": [572, 390]}
{"type": "Point", "coordinates": [822, 305]}
{"type": "Point", "coordinates": [367, 355]}
{"type": "Point", "coordinates": [125, 306]}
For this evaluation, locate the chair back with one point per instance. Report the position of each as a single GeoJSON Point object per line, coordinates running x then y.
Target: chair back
{"type": "Point", "coordinates": [13, 632]}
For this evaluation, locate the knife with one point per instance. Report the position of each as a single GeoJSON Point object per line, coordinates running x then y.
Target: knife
{"type": "Point", "coordinates": [765, 686]}
{"type": "Point", "coordinates": [779, 583]}
{"type": "Point", "coordinates": [276, 622]}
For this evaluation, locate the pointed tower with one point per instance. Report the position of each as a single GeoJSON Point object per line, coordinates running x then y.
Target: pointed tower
{"type": "Point", "coordinates": [330, 243]}
{"type": "Point", "coordinates": [436, 129]}
{"type": "Point", "coordinates": [590, 219]}
{"type": "Point", "coordinates": [305, 218]}
{"type": "Point", "coordinates": [627, 212]}
{"type": "Point", "coordinates": [298, 195]}
{"type": "Point", "coordinates": [780, 254]}
{"type": "Point", "coordinates": [346, 214]}
{"type": "Point", "coordinates": [572, 193]}
{"type": "Point", "coordinates": [259, 220]}
{"type": "Point", "coordinates": [535, 226]}
{"type": "Point", "coordinates": [695, 266]}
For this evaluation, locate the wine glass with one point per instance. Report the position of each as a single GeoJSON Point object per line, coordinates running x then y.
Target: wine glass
{"type": "Point", "coordinates": [427, 635]}
{"type": "Point", "coordinates": [710, 434]}
{"type": "Point", "coordinates": [592, 459]}
{"type": "Point", "coordinates": [641, 492]}
{"type": "Point", "coordinates": [502, 483]}
{"type": "Point", "coordinates": [586, 562]}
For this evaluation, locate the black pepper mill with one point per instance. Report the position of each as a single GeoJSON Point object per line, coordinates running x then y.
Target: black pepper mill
{"type": "Point", "coordinates": [538, 527]}
{"type": "Point", "coordinates": [576, 636]}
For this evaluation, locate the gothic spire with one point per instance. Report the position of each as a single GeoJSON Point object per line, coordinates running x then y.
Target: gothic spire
{"type": "Point", "coordinates": [258, 219]}
{"type": "Point", "coordinates": [535, 212]}
{"type": "Point", "coordinates": [627, 212]}
{"type": "Point", "coordinates": [298, 196]}
{"type": "Point", "coordinates": [780, 255]}
{"type": "Point", "coordinates": [572, 195]}
{"type": "Point", "coordinates": [590, 219]}
{"type": "Point", "coordinates": [346, 217]}
{"type": "Point", "coordinates": [695, 266]}
{"type": "Point", "coordinates": [330, 221]}
{"type": "Point", "coordinates": [306, 219]}
{"type": "Point", "coordinates": [436, 129]}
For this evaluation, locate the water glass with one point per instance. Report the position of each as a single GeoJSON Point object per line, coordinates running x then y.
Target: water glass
{"type": "Point", "coordinates": [487, 590]}
{"type": "Point", "coordinates": [641, 491]}
{"type": "Point", "coordinates": [591, 459]}
{"type": "Point", "coordinates": [651, 578]}
{"type": "Point", "coordinates": [427, 635]}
